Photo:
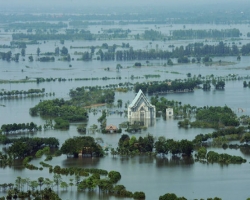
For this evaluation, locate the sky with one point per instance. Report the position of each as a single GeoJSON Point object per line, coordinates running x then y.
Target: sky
{"type": "Point", "coordinates": [121, 2]}
{"type": "Point", "coordinates": [178, 5]}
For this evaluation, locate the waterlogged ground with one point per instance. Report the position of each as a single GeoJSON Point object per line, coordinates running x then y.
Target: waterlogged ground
{"type": "Point", "coordinates": [154, 176]}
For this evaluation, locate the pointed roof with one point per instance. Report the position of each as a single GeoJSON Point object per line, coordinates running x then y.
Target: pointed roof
{"type": "Point", "coordinates": [111, 127]}
{"type": "Point", "coordinates": [138, 97]}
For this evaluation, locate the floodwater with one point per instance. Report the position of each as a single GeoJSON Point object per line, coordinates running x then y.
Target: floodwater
{"type": "Point", "coordinates": [154, 176]}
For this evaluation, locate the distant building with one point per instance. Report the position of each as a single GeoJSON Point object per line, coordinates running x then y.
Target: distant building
{"type": "Point", "coordinates": [141, 109]}
{"type": "Point", "coordinates": [111, 128]}
{"type": "Point", "coordinates": [169, 112]}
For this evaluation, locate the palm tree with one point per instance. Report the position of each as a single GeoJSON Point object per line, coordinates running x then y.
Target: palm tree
{"type": "Point", "coordinates": [71, 183]}
{"type": "Point", "coordinates": [57, 180]}
{"type": "Point", "coordinates": [40, 182]}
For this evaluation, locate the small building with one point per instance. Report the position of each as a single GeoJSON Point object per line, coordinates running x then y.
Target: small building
{"type": "Point", "coordinates": [111, 128]}
{"type": "Point", "coordinates": [169, 112]}
{"type": "Point", "coordinates": [140, 108]}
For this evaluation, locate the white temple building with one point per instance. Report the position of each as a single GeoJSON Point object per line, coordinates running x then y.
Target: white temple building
{"type": "Point", "coordinates": [169, 112]}
{"type": "Point", "coordinates": [141, 109]}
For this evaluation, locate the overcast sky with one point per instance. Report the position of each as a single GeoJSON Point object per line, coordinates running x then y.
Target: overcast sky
{"type": "Point", "coordinates": [168, 4]}
{"type": "Point", "coordinates": [121, 2]}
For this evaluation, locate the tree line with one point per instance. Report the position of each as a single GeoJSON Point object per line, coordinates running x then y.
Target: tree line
{"type": "Point", "coordinates": [24, 146]}
{"type": "Point", "coordinates": [201, 34]}
{"type": "Point", "coordinates": [13, 128]}
{"type": "Point", "coordinates": [164, 87]}
{"type": "Point", "coordinates": [59, 108]}
{"type": "Point", "coordinates": [22, 92]}
{"type": "Point", "coordinates": [182, 53]}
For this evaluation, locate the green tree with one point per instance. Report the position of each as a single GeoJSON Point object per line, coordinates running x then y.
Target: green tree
{"type": "Point", "coordinates": [33, 185]}
{"type": "Point", "coordinates": [161, 145]}
{"type": "Point", "coordinates": [64, 51]}
{"type": "Point", "coordinates": [57, 51]}
{"type": "Point", "coordinates": [40, 182]}
{"type": "Point", "coordinates": [119, 103]}
{"type": "Point", "coordinates": [38, 51]}
{"type": "Point", "coordinates": [57, 180]}
{"type": "Point", "coordinates": [64, 185]}
{"type": "Point", "coordinates": [186, 147]}
{"type": "Point", "coordinates": [202, 152]}
{"type": "Point", "coordinates": [118, 67]}
{"type": "Point", "coordinates": [31, 58]}
{"type": "Point", "coordinates": [23, 52]}
{"type": "Point", "coordinates": [168, 196]}
{"type": "Point", "coordinates": [114, 176]}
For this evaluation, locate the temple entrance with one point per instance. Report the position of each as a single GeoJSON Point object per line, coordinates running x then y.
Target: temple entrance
{"type": "Point", "coordinates": [142, 114]}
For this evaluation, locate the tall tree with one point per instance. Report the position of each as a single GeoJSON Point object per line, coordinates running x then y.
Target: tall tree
{"type": "Point", "coordinates": [38, 51]}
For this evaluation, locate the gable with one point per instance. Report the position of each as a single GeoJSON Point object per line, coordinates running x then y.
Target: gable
{"type": "Point", "coordinates": [140, 99]}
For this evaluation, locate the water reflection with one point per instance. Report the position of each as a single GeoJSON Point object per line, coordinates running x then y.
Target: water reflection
{"type": "Point", "coordinates": [174, 161]}
{"type": "Point", "coordinates": [155, 176]}
{"type": "Point", "coordinates": [82, 162]}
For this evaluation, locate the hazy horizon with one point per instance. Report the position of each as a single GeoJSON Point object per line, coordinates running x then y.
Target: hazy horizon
{"type": "Point", "coordinates": [31, 6]}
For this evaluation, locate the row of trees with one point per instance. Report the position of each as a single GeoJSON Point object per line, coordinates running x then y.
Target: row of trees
{"type": "Point", "coordinates": [194, 50]}
{"type": "Point", "coordinates": [59, 108]}
{"type": "Point", "coordinates": [214, 157]}
{"type": "Point", "coordinates": [82, 96]}
{"type": "Point", "coordinates": [201, 139]}
{"type": "Point", "coordinates": [164, 87]}
{"type": "Point", "coordinates": [172, 196]}
{"type": "Point", "coordinates": [217, 114]}
{"type": "Point", "coordinates": [25, 146]}
{"type": "Point", "coordinates": [182, 53]}
{"type": "Point", "coordinates": [84, 145]}
{"type": "Point", "coordinates": [81, 35]}
{"type": "Point", "coordinates": [163, 146]}
{"type": "Point", "coordinates": [155, 17]}
{"type": "Point", "coordinates": [22, 92]}
{"type": "Point", "coordinates": [36, 25]}
{"type": "Point", "coordinates": [212, 117]}
{"type": "Point", "coordinates": [201, 34]}
{"type": "Point", "coordinates": [13, 128]}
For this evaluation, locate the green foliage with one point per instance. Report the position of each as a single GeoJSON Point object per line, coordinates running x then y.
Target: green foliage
{"type": "Point", "coordinates": [59, 108]}
{"type": "Point", "coordinates": [217, 116]}
{"type": "Point", "coordinates": [127, 145]}
{"type": "Point", "coordinates": [25, 146]}
{"type": "Point", "coordinates": [39, 153]}
{"type": "Point", "coordinates": [83, 97]}
{"type": "Point", "coordinates": [46, 59]}
{"type": "Point", "coordinates": [175, 86]}
{"type": "Point", "coordinates": [77, 144]}
{"type": "Point", "coordinates": [139, 195]}
{"type": "Point", "coordinates": [81, 128]}
{"type": "Point", "coordinates": [152, 35]}
{"type": "Point", "coordinates": [64, 50]}
{"type": "Point", "coordinates": [168, 196]}
{"type": "Point", "coordinates": [45, 164]}
{"type": "Point", "coordinates": [82, 35]}
{"type": "Point", "coordinates": [9, 128]}
{"type": "Point", "coordinates": [224, 158]}
{"type": "Point", "coordinates": [202, 153]}
{"type": "Point", "coordinates": [27, 159]}
{"type": "Point", "coordinates": [114, 176]}
{"type": "Point", "coordinates": [164, 146]}
{"type": "Point", "coordinates": [61, 124]}
{"type": "Point", "coordinates": [201, 34]}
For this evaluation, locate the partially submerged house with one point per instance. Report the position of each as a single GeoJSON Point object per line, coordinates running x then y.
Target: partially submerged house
{"type": "Point", "coordinates": [111, 129]}
{"type": "Point", "coordinates": [141, 109]}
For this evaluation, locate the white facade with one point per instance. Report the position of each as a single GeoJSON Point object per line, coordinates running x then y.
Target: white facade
{"type": "Point", "coordinates": [169, 112]}
{"type": "Point", "coordinates": [140, 108]}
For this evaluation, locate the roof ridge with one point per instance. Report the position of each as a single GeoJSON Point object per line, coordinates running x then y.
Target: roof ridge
{"type": "Point", "coordinates": [137, 97]}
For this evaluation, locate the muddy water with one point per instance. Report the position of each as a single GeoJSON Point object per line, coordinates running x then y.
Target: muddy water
{"type": "Point", "coordinates": [154, 176]}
